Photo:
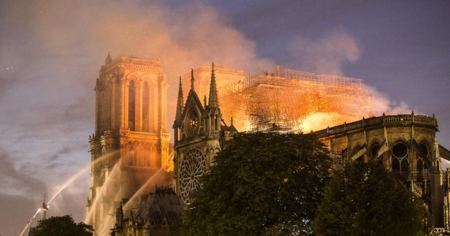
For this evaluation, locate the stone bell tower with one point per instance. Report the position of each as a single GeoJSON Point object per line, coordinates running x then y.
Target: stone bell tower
{"type": "Point", "coordinates": [130, 129]}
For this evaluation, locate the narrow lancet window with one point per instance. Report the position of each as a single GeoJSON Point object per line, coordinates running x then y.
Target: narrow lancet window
{"type": "Point", "coordinates": [132, 106]}
{"type": "Point", "coordinates": [145, 108]}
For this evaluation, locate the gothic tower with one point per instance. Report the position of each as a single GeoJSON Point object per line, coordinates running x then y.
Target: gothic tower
{"type": "Point", "coordinates": [130, 129]}
{"type": "Point", "coordinates": [197, 130]}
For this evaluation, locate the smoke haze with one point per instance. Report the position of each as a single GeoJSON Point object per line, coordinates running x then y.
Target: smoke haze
{"type": "Point", "coordinates": [50, 54]}
{"type": "Point", "coordinates": [49, 59]}
{"type": "Point", "coordinates": [328, 55]}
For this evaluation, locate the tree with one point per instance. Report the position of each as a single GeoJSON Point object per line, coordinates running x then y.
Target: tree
{"type": "Point", "coordinates": [366, 199]}
{"type": "Point", "coordinates": [261, 183]}
{"type": "Point", "coordinates": [62, 226]}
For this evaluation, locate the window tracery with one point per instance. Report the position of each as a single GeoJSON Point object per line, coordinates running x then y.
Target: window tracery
{"type": "Point", "coordinates": [400, 161]}
{"type": "Point", "coordinates": [192, 168]}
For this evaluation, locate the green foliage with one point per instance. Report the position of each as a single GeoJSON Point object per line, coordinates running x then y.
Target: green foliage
{"type": "Point", "coordinates": [62, 226]}
{"type": "Point", "coordinates": [261, 184]}
{"type": "Point", "coordinates": [366, 199]}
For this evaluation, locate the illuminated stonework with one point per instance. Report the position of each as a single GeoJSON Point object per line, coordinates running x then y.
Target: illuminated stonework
{"type": "Point", "coordinates": [192, 167]}
{"type": "Point", "coordinates": [130, 125]}
{"type": "Point", "coordinates": [198, 131]}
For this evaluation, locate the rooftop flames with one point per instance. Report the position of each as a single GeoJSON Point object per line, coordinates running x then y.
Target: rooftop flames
{"type": "Point", "coordinates": [294, 100]}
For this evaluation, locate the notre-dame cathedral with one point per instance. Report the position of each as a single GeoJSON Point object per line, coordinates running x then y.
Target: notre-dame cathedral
{"type": "Point", "coordinates": [130, 130]}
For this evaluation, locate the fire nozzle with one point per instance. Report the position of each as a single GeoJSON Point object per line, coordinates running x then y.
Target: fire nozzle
{"type": "Point", "coordinates": [43, 207]}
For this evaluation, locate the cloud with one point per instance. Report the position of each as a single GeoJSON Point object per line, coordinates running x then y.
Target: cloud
{"type": "Point", "coordinates": [57, 155]}
{"type": "Point", "coordinates": [327, 55]}
{"type": "Point", "coordinates": [15, 182]}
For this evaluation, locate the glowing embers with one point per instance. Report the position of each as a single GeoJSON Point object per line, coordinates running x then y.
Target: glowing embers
{"type": "Point", "coordinates": [191, 169]}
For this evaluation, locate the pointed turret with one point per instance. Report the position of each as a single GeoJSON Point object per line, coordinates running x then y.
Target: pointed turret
{"type": "Point", "coordinates": [119, 215]}
{"type": "Point", "coordinates": [213, 98]}
{"type": "Point", "coordinates": [179, 103]}
{"type": "Point", "coordinates": [108, 59]}
{"type": "Point", "coordinates": [192, 79]}
{"type": "Point", "coordinates": [232, 128]}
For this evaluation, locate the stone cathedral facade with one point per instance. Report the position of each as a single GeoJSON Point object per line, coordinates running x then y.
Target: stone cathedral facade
{"type": "Point", "coordinates": [130, 130]}
{"type": "Point", "coordinates": [198, 133]}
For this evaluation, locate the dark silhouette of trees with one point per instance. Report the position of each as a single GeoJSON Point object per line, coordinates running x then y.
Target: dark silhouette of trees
{"type": "Point", "coordinates": [366, 199]}
{"type": "Point", "coordinates": [261, 184]}
{"type": "Point", "coordinates": [61, 226]}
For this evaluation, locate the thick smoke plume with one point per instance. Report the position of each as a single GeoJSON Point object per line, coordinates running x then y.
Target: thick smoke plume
{"type": "Point", "coordinates": [381, 103]}
{"type": "Point", "coordinates": [327, 55]}
{"type": "Point", "coordinates": [50, 54]}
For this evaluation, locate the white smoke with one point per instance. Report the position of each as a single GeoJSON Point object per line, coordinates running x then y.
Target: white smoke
{"type": "Point", "coordinates": [381, 103]}
{"type": "Point", "coordinates": [330, 54]}
{"type": "Point", "coordinates": [327, 55]}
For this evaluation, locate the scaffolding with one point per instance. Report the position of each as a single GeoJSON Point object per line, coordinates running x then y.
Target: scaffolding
{"type": "Point", "coordinates": [285, 98]}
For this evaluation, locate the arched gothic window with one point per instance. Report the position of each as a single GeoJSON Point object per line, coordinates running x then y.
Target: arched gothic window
{"type": "Point", "coordinates": [423, 153]}
{"type": "Point", "coordinates": [145, 108]}
{"type": "Point", "coordinates": [420, 169]}
{"type": "Point", "coordinates": [400, 160]}
{"type": "Point", "coordinates": [132, 107]}
{"type": "Point", "coordinates": [420, 165]}
{"type": "Point", "coordinates": [395, 165]}
{"type": "Point", "coordinates": [405, 165]}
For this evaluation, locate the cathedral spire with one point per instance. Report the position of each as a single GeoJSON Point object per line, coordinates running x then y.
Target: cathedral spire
{"type": "Point", "coordinates": [108, 59]}
{"type": "Point", "coordinates": [213, 98]}
{"type": "Point", "coordinates": [192, 79]}
{"type": "Point", "coordinates": [179, 102]}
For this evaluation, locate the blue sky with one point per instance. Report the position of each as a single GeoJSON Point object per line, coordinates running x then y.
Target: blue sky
{"type": "Point", "coordinates": [51, 51]}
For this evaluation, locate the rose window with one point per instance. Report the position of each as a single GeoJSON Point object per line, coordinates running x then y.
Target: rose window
{"type": "Point", "coordinates": [191, 169]}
